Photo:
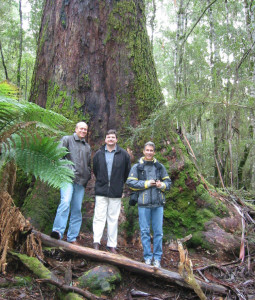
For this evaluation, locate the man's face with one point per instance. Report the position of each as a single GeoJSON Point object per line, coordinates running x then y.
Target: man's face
{"type": "Point", "coordinates": [148, 153]}
{"type": "Point", "coordinates": [81, 130]}
{"type": "Point", "coordinates": [111, 140]}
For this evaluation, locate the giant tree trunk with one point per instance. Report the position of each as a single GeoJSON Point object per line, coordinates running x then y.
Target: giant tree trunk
{"type": "Point", "coordinates": [94, 62]}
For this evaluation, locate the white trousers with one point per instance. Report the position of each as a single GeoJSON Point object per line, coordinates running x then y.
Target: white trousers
{"type": "Point", "coordinates": [106, 209]}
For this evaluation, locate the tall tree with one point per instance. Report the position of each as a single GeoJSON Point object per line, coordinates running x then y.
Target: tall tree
{"type": "Point", "coordinates": [20, 42]}
{"type": "Point", "coordinates": [94, 62]}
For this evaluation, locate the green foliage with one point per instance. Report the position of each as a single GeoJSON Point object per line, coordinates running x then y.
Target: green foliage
{"type": "Point", "coordinates": [208, 82]}
{"type": "Point", "coordinates": [131, 225]}
{"type": "Point", "coordinates": [10, 35]}
{"type": "Point", "coordinates": [9, 90]}
{"type": "Point", "coordinates": [24, 137]}
{"type": "Point", "coordinates": [40, 206]}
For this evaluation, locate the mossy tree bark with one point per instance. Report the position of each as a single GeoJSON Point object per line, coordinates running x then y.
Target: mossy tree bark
{"type": "Point", "coordinates": [94, 62]}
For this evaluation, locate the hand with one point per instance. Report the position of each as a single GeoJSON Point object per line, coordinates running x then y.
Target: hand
{"type": "Point", "coordinates": [158, 184]}
{"type": "Point", "coordinates": [152, 182]}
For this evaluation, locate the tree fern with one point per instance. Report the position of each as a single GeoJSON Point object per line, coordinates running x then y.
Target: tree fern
{"type": "Point", "coordinates": [25, 130]}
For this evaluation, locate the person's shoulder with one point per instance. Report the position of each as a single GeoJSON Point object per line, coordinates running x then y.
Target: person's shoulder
{"type": "Point", "coordinates": [66, 137]}
{"type": "Point", "coordinates": [99, 151]}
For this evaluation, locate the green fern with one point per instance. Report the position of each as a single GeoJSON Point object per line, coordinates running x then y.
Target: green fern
{"type": "Point", "coordinates": [25, 138]}
{"type": "Point", "coordinates": [8, 89]}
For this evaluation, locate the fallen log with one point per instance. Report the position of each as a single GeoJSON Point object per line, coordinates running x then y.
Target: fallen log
{"type": "Point", "coordinates": [128, 263]}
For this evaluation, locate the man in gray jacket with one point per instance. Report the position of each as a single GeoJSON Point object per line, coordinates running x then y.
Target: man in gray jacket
{"type": "Point", "coordinates": [150, 180]}
{"type": "Point", "coordinates": [72, 193]}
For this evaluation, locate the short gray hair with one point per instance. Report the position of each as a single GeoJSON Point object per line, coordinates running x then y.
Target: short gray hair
{"type": "Point", "coordinates": [151, 144]}
{"type": "Point", "coordinates": [79, 123]}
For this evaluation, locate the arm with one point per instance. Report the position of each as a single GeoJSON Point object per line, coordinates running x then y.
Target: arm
{"type": "Point", "coordinates": [135, 184]}
{"type": "Point", "coordinates": [89, 161]}
{"type": "Point", "coordinates": [95, 165]}
{"type": "Point", "coordinates": [127, 167]}
{"type": "Point", "coordinates": [165, 184]}
{"type": "Point", "coordinates": [64, 143]}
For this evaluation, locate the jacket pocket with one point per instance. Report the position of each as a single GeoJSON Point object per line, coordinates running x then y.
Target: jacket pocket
{"type": "Point", "coordinates": [143, 198]}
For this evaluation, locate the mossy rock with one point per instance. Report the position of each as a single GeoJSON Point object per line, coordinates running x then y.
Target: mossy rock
{"type": "Point", "coordinates": [71, 296]}
{"type": "Point", "coordinates": [101, 279]}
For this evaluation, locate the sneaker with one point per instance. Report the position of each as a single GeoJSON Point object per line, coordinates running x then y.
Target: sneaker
{"type": "Point", "coordinates": [112, 249]}
{"type": "Point", "coordinates": [156, 263]}
{"type": "Point", "coordinates": [96, 246]}
{"type": "Point", "coordinates": [148, 261]}
{"type": "Point", "coordinates": [55, 235]}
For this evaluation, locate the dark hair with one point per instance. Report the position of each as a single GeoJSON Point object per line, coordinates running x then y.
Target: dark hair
{"type": "Point", "coordinates": [151, 144]}
{"type": "Point", "coordinates": [111, 131]}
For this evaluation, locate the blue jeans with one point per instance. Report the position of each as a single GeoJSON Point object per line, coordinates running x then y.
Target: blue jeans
{"type": "Point", "coordinates": [154, 217]}
{"type": "Point", "coordinates": [70, 201]}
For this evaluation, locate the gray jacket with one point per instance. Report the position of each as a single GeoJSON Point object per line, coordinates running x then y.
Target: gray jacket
{"type": "Point", "coordinates": [138, 179]}
{"type": "Point", "coordinates": [80, 155]}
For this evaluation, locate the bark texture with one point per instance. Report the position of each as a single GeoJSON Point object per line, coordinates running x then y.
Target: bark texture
{"type": "Point", "coordinates": [94, 62]}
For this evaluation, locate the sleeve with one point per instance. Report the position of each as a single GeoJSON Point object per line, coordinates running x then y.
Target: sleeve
{"type": "Point", "coordinates": [127, 166]}
{"type": "Point", "coordinates": [166, 180]}
{"type": "Point", "coordinates": [95, 159]}
{"type": "Point", "coordinates": [64, 143]}
{"type": "Point", "coordinates": [134, 183]}
{"type": "Point", "coordinates": [89, 160]}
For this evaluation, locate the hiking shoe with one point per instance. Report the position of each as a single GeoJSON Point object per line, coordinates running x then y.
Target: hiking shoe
{"type": "Point", "coordinates": [156, 263]}
{"type": "Point", "coordinates": [55, 235]}
{"type": "Point", "coordinates": [148, 261]}
{"type": "Point", "coordinates": [112, 249]}
{"type": "Point", "coordinates": [96, 246]}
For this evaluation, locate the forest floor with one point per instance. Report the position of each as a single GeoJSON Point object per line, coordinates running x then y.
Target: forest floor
{"type": "Point", "coordinates": [226, 270]}
{"type": "Point", "coordinates": [238, 276]}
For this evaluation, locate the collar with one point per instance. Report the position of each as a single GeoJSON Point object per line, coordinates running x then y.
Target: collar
{"type": "Point", "coordinates": [114, 150]}
{"type": "Point", "coordinates": [78, 139]}
{"type": "Point", "coordinates": [142, 160]}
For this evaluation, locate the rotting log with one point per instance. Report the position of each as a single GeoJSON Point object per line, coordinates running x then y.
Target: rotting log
{"type": "Point", "coordinates": [128, 263]}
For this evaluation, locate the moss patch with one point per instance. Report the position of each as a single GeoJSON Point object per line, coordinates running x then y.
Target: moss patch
{"type": "Point", "coordinates": [146, 89]}
{"type": "Point", "coordinates": [63, 102]}
{"type": "Point", "coordinates": [41, 205]}
{"type": "Point", "coordinates": [9, 89]}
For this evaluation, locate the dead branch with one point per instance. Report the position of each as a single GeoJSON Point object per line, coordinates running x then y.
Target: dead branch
{"type": "Point", "coordinates": [127, 263]}
{"type": "Point", "coordinates": [186, 271]}
{"type": "Point", "coordinates": [67, 288]}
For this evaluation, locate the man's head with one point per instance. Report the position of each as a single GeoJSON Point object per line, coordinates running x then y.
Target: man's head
{"type": "Point", "coordinates": [111, 138]}
{"type": "Point", "coordinates": [81, 129]}
{"type": "Point", "coordinates": [149, 151]}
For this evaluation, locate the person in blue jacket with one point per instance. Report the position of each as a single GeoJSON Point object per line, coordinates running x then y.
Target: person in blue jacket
{"type": "Point", "coordinates": [150, 180]}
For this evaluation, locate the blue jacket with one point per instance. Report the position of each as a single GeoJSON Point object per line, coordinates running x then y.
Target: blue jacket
{"type": "Point", "coordinates": [138, 179]}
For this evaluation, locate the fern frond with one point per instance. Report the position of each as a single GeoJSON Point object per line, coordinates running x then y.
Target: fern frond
{"type": "Point", "coordinates": [14, 111]}
{"type": "Point", "coordinates": [39, 156]}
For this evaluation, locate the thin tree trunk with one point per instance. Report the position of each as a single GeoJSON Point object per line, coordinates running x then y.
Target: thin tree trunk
{"type": "Point", "coordinates": [3, 62]}
{"type": "Point", "coordinates": [20, 44]}
{"type": "Point", "coordinates": [152, 21]}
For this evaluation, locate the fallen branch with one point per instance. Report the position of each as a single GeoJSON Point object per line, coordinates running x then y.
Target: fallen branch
{"type": "Point", "coordinates": [73, 289]}
{"type": "Point", "coordinates": [127, 263]}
